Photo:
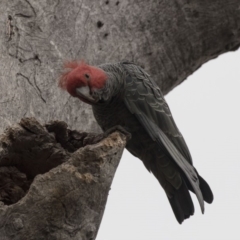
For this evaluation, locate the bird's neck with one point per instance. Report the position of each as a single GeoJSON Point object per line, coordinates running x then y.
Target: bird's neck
{"type": "Point", "coordinates": [115, 84]}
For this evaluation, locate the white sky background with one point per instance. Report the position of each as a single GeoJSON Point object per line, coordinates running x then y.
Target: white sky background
{"type": "Point", "coordinates": [207, 112]}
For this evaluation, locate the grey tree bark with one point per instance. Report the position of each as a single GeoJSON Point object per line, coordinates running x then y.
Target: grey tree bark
{"type": "Point", "coordinates": [68, 201]}
{"type": "Point", "coordinates": [169, 38]}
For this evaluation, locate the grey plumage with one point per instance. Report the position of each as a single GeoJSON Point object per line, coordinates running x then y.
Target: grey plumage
{"type": "Point", "coordinates": [124, 94]}
{"type": "Point", "coordinates": [135, 102]}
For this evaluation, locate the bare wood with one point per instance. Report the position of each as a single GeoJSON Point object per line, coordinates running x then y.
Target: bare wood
{"type": "Point", "coordinates": [66, 202]}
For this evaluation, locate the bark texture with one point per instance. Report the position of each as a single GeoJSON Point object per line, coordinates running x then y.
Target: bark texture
{"type": "Point", "coordinates": [51, 186]}
{"type": "Point", "coordinates": [65, 202]}
{"type": "Point", "coordinates": [169, 38]}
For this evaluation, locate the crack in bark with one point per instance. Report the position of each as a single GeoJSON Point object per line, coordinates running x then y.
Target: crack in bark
{"type": "Point", "coordinates": [22, 15]}
{"type": "Point", "coordinates": [9, 100]}
{"type": "Point", "coordinates": [36, 88]}
{"type": "Point", "coordinates": [31, 7]}
{"type": "Point", "coordinates": [10, 31]}
{"type": "Point", "coordinates": [35, 58]}
{"type": "Point", "coordinates": [17, 41]}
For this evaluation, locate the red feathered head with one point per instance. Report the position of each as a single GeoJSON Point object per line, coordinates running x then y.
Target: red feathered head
{"type": "Point", "coordinates": [81, 79]}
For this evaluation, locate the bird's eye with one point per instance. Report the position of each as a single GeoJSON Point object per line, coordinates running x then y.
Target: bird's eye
{"type": "Point", "coordinates": [87, 76]}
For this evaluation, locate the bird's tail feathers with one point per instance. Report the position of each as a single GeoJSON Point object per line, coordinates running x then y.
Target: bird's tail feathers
{"type": "Point", "coordinates": [204, 187]}
{"type": "Point", "coordinates": [206, 190]}
{"type": "Point", "coordinates": [181, 203]}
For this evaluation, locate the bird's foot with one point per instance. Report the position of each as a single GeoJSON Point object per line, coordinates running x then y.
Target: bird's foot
{"type": "Point", "coordinates": [95, 138]}
{"type": "Point", "coordinates": [119, 129]}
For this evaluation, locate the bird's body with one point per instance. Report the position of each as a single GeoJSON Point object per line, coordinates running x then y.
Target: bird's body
{"type": "Point", "coordinates": [141, 144]}
{"type": "Point", "coordinates": [126, 95]}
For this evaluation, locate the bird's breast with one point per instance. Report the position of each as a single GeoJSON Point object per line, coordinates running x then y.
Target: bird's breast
{"type": "Point", "coordinates": [116, 113]}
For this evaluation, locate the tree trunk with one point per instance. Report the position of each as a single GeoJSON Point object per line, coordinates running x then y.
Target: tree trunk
{"type": "Point", "coordinates": [57, 188]}
{"type": "Point", "coordinates": [169, 38]}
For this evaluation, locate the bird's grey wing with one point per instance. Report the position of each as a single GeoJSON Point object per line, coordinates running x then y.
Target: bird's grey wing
{"type": "Point", "coordinates": [142, 83]}
{"type": "Point", "coordinates": [144, 99]}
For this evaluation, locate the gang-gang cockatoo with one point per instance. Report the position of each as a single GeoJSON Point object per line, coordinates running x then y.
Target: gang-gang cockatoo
{"type": "Point", "coordinates": [123, 94]}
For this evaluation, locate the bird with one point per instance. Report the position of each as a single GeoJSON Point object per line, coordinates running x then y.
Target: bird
{"type": "Point", "coordinates": [123, 95]}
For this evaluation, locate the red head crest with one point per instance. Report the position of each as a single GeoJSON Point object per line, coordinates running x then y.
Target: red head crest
{"type": "Point", "coordinates": [80, 74]}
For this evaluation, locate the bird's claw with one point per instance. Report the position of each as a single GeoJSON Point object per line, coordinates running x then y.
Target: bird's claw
{"type": "Point", "coordinates": [93, 139]}
{"type": "Point", "coordinates": [119, 129]}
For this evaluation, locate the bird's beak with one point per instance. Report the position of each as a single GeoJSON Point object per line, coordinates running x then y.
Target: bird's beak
{"type": "Point", "coordinates": [84, 92]}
